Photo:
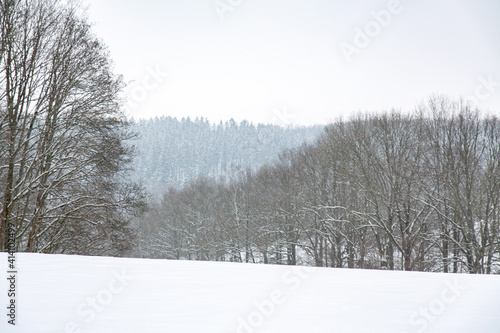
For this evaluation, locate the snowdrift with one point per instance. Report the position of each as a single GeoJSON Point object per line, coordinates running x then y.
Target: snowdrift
{"type": "Point", "coordinates": [59, 293]}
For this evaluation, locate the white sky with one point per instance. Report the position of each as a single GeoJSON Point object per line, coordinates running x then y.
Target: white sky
{"type": "Point", "coordinates": [280, 61]}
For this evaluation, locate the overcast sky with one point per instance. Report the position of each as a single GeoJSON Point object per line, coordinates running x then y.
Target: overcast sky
{"type": "Point", "coordinates": [299, 61]}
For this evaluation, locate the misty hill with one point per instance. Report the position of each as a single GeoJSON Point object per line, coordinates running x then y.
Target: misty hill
{"type": "Point", "coordinates": [171, 152]}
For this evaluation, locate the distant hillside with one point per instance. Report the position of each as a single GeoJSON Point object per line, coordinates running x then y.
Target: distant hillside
{"type": "Point", "coordinates": [171, 152]}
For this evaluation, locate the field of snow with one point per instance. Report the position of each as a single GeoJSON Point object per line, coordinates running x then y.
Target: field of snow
{"type": "Point", "coordinates": [59, 294]}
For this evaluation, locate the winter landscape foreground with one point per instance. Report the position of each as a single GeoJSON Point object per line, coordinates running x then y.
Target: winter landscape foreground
{"type": "Point", "coordinates": [61, 293]}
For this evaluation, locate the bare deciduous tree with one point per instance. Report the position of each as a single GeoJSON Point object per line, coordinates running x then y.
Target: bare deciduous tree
{"type": "Point", "coordinates": [62, 133]}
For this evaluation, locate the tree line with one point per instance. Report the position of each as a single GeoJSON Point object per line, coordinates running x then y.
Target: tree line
{"type": "Point", "coordinates": [394, 191]}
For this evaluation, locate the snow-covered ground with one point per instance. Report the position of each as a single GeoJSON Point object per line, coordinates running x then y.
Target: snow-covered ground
{"type": "Point", "coordinates": [57, 293]}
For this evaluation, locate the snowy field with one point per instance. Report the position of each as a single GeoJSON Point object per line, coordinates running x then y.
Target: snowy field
{"type": "Point", "coordinates": [58, 293]}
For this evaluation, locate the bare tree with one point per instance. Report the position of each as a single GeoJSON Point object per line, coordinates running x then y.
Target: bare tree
{"type": "Point", "coordinates": [391, 191]}
{"type": "Point", "coordinates": [463, 162]}
{"type": "Point", "coordinates": [64, 134]}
